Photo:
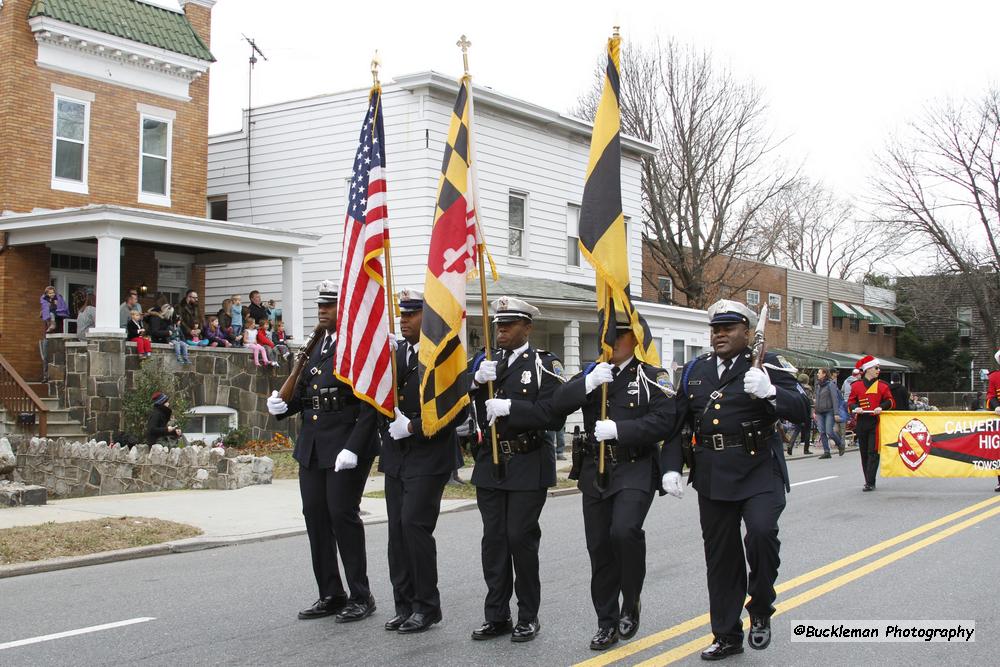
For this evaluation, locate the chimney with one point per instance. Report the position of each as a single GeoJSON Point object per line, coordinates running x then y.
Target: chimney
{"type": "Point", "coordinates": [199, 15]}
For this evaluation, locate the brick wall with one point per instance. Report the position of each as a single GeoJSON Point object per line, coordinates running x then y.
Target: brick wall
{"type": "Point", "coordinates": [23, 276]}
{"type": "Point", "coordinates": [860, 341]}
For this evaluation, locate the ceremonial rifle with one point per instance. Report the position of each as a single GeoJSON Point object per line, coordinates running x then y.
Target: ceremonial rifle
{"type": "Point", "coordinates": [287, 390]}
{"type": "Point", "coordinates": [759, 347]}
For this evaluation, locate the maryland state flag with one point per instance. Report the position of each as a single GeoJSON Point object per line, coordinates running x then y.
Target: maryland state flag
{"type": "Point", "coordinates": [450, 262]}
{"type": "Point", "coordinates": [939, 444]}
{"type": "Point", "coordinates": [602, 224]}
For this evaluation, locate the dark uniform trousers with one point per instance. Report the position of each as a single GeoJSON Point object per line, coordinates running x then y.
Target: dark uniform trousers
{"type": "Point", "coordinates": [333, 420]}
{"type": "Point", "coordinates": [736, 485]}
{"type": "Point", "coordinates": [416, 470]}
{"type": "Point", "coordinates": [613, 518]}
{"type": "Point", "coordinates": [869, 451]}
{"type": "Point", "coordinates": [510, 508]}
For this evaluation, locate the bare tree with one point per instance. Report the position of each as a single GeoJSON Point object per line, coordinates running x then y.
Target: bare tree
{"type": "Point", "coordinates": [705, 191]}
{"type": "Point", "coordinates": [939, 189]}
{"type": "Point", "coordinates": [815, 231]}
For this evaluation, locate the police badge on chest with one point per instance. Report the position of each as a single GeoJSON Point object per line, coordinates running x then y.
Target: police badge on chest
{"type": "Point", "coordinates": [526, 377]}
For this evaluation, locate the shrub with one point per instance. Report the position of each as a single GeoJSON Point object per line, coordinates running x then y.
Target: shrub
{"type": "Point", "coordinates": [138, 401]}
{"type": "Point", "coordinates": [235, 437]}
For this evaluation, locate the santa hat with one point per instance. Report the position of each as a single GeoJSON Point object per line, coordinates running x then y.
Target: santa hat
{"type": "Point", "coordinates": [159, 398]}
{"type": "Point", "coordinates": [866, 362]}
{"type": "Point", "coordinates": [997, 357]}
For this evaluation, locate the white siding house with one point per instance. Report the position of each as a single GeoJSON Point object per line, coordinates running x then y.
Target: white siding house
{"type": "Point", "coordinates": [530, 159]}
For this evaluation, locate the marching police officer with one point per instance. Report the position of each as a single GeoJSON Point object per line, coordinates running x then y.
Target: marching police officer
{"type": "Point", "coordinates": [738, 470]}
{"type": "Point", "coordinates": [416, 470]}
{"type": "Point", "coordinates": [640, 411]}
{"type": "Point", "coordinates": [335, 450]}
{"type": "Point", "coordinates": [510, 498]}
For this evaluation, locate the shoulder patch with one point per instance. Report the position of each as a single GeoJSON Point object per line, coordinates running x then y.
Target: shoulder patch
{"type": "Point", "coordinates": [663, 379]}
{"type": "Point", "coordinates": [557, 367]}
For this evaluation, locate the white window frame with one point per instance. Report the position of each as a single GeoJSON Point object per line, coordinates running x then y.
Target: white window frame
{"type": "Point", "coordinates": [773, 299]}
{"type": "Point", "coordinates": [796, 312]}
{"type": "Point", "coordinates": [205, 410]}
{"type": "Point", "coordinates": [572, 234]}
{"type": "Point", "coordinates": [162, 116]}
{"type": "Point", "coordinates": [523, 196]}
{"type": "Point", "coordinates": [76, 97]}
{"type": "Point", "coordinates": [817, 321]}
{"type": "Point", "coordinates": [756, 300]}
{"type": "Point", "coordinates": [964, 324]}
{"type": "Point", "coordinates": [659, 289]}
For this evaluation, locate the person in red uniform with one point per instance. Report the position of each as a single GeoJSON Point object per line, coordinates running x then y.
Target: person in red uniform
{"type": "Point", "coordinates": [869, 397]}
{"type": "Point", "coordinates": [993, 397]}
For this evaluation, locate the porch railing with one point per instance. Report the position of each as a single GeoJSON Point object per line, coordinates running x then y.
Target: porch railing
{"type": "Point", "coordinates": [21, 403]}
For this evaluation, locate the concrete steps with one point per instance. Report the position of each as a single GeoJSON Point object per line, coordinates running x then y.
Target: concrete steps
{"type": "Point", "coordinates": [59, 425]}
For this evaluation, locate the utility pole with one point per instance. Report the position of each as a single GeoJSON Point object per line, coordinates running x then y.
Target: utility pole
{"type": "Point", "coordinates": [254, 52]}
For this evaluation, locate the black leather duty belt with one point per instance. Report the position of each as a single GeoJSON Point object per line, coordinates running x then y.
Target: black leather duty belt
{"type": "Point", "coordinates": [327, 404]}
{"type": "Point", "coordinates": [618, 454]}
{"type": "Point", "coordinates": [523, 444]}
{"type": "Point", "coordinates": [719, 441]}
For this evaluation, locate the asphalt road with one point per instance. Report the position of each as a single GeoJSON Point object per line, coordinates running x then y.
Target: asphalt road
{"type": "Point", "coordinates": [236, 605]}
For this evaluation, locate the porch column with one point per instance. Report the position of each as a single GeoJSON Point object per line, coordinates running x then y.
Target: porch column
{"type": "Point", "coordinates": [571, 347]}
{"type": "Point", "coordinates": [291, 297]}
{"type": "Point", "coordinates": [109, 278]}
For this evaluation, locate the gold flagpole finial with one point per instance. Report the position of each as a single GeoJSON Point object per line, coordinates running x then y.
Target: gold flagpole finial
{"type": "Point", "coordinates": [464, 44]}
{"type": "Point", "coordinates": [376, 63]}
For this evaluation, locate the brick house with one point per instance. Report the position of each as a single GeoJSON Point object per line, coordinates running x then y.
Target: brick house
{"type": "Point", "coordinates": [103, 144]}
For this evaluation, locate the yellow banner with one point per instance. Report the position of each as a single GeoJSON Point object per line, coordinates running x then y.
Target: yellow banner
{"type": "Point", "coordinates": [939, 444]}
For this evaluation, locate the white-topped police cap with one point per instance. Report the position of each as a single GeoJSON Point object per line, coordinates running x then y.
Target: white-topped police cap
{"type": "Point", "coordinates": [725, 311]}
{"type": "Point", "coordinates": [509, 308]}
{"type": "Point", "coordinates": [410, 300]}
{"type": "Point", "coordinates": [326, 292]}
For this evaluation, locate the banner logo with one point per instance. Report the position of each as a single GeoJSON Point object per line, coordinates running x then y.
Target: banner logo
{"type": "Point", "coordinates": [914, 443]}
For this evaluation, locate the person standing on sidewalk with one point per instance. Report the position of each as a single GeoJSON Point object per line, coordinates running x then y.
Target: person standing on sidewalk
{"type": "Point", "coordinates": [416, 468]}
{"type": "Point", "coordinates": [335, 449]}
{"type": "Point", "coordinates": [511, 496]}
{"type": "Point", "coordinates": [640, 410]}
{"type": "Point", "coordinates": [869, 397]}
{"type": "Point", "coordinates": [827, 401]}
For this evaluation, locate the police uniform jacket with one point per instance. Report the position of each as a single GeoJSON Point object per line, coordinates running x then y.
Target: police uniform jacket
{"type": "Point", "coordinates": [640, 404]}
{"type": "Point", "coordinates": [733, 473]}
{"type": "Point", "coordinates": [529, 381]}
{"type": "Point", "coordinates": [417, 455]}
{"type": "Point", "coordinates": [993, 393]}
{"type": "Point", "coordinates": [333, 418]}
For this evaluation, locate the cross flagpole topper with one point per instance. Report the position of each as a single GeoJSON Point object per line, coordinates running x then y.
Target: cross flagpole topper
{"type": "Point", "coordinates": [464, 44]}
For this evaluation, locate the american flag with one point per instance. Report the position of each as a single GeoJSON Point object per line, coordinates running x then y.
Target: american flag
{"type": "Point", "coordinates": [362, 319]}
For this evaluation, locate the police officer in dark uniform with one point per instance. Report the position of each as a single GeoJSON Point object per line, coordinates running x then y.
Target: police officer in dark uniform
{"type": "Point", "coordinates": [416, 470]}
{"type": "Point", "coordinates": [640, 412]}
{"type": "Point", "coordinates": [335, 449]}
{"type": "Point", "coordinates": [524, 380]}
{"type": "Point", "coordinates": [738, 470]}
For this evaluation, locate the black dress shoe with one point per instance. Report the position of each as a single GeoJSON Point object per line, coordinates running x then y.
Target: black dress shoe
{"type": "Point", "coordinates": [868, 487]}
{"type": "Point", "coordinates": [760, 632]}
{"type": "Point", "coordinates": [492, 630]}
{"type": "Point", "coordinates": [604, 639]}
{"type": "Point", "coordinates": [525, 632]}
{"type": "Point", "coordinates": [355, 611]}
{"type": "Point", "coordinates": [327, 606]}
{"type": "Point", "coordinates": [628, 625]}
{"type": "Point", "coordinates": [393, 623]}
{"type": "Point", "coordinates": [721, 649]}
{"type": "Point", "coordinates": [418, 622]}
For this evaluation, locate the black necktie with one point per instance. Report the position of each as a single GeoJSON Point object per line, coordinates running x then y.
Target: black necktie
{"type": "Point", "coordinates": [615, 371]}
{"type": "Point", "coordinates": [411, 357]}
{"type": "Point", "coordinates": [326, 344]}
{"type": "Point", "coordinates": [726, 365]}
{"type": "Point", "coordinates": [502, 365]}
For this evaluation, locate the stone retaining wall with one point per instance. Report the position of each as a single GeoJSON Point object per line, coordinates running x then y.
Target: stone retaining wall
{"type": "Point", "coordinates": [73, 469]}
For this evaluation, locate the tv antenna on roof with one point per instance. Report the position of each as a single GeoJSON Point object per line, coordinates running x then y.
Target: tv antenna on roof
{"type": "Point", "coordinates": [254, 52]}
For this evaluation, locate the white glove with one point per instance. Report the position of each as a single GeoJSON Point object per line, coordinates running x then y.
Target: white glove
{"type": "Point", "coordinates": [346, 460]}
{"type": "Point", "coordinates": [399, 428]}
{"type": "Point", "coordinates": [605, 429]}
{"type": "Point", "coordinates": [394, 341]}
{"type": "Point", "coordinates": [497, 407]}
{"type": "Point", "coordinates": [672, 484]}
{"type": "Point", "coordinates": [997, 411]}
{"type": "Point", "coordinates": [487, 372]}
{"type": "Point", "coordinates": [275, 405]}
{"type": "Point", "coordinates": [757, 383]}
{"type": "Point", "coordinates": [600, 375]}
{"type": "Point", "coordinates": [877, 410]}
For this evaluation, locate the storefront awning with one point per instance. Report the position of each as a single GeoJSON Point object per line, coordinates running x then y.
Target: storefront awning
{"type": "Point", "coordinates": [804, 359]}
{"type": "Point", "coordinates": [878, 317]}
{"type": "Point", "coordinates": [894, 319]}
{"type": "Point", "coordinates": [863, 312]}
{"type": "Point", "coordinates": [843, 310]}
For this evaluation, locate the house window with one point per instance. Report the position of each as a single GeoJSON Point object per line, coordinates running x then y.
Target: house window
{"type": "Point", "coordinates": [665, 291]}
{"type": "Point", "coordinates": [69, 146]}
{"type": "Point", "coordinates": [218, 208]}
{"type": "Point", "coordinates": [678, 345]}
{"type": "Point", "coordinates": [964, 317]}
{"type": "Point", "coordinates": [838, 323]}
{"type": "Point", "coordinates": [818, 314]}
{"type": "Point", "coordinates": [172, 281]}
{"type": "Point", "coordinates": [154, 166]}
{"type": "Point", "coordinates": [797, 311]}
{"type": "Point", "coordinates": [774, 307]}
{"type": "Point", "coordinates": [855, 325]}
{"type": "Point", "coordinates": [872, 328]}
{"type": "Point", "coordinates": [208, 422]}
{"type": "Point", "coordinates": [573, 235]}
{"type": "Point", "coordinates": [516, 214]}
{"type": "Point", "coordinates": [753, 298]}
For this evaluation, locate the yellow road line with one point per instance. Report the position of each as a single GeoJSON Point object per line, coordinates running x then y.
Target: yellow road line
{"type": "Point", "coordinates": [652, 640]}
{"type": "Point", "coordinates": [701, 643]}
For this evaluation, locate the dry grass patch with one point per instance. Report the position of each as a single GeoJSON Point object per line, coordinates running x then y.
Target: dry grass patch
{"type": "Point", "coordinates": [51, 540]}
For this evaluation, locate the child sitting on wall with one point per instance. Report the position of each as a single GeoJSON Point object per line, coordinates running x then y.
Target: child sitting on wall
{"type": "Point", "coordinates": [136, 333]}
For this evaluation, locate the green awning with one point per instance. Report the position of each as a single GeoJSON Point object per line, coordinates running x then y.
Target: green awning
{"type": "Point", "coordinates": [803, 358]}
{"type": "Point", "coordinates": [843, 310]}
{"type": "Point", "coordinates": [863, 312]}
{"type": "Point", "coordinates": [878, 317]}
{"type": "Point", "coordinates": [895, 321]}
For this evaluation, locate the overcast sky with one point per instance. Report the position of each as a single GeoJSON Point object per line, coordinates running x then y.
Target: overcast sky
{"type": "Point", "coordinates": [838, 76]}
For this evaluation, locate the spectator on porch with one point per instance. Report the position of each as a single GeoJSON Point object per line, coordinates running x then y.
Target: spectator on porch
{"type": "Point", "coordinates": [194, 337]}
{"type": "Point", "coordinates": [280, 339]}
{"type": "Point", "coordinates": [225, 316]}
{"type": "Point", "coordinates": [257, 310]}
{"type": "Point", "coordinates": [86, 318]}
{"type": "Point", "coordinates": [177, 340]}
{"type": "Point", "coordinates": [54, 310]}
{"type": "Point", "coordinates": [250, 342]}
{"type": "Point", "coordinates": [128, 306]}
{"type": "Point", "coordinates": [264, 338]}
{"type": "Point", "coordinates": [189, 311]}
{"type": "Point", "coordinates": [236, 313]}
{"type": "Point", "coordinates": [136, 333]}
{"type": "Point", "coordinates": [274, 313]}
{"type": "Point", "coordinates": [215, 335]}
{"type": "Point", "coordinates": [158, 323]}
